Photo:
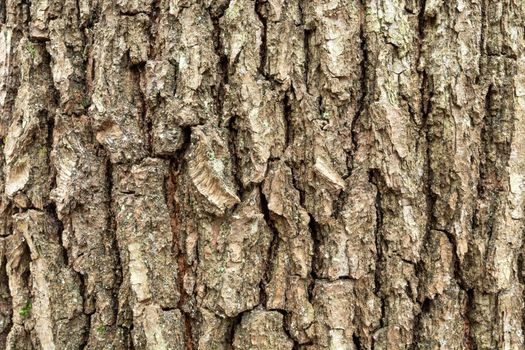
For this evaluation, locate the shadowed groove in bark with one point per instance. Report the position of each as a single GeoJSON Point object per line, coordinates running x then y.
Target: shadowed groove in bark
{"type": "Point", "coordinates": [223, 66]}
{"type": "Point", "coordinates": [137, 73]}
{"type": "Point", "coordinates": [120, 320]}
{"type": "Point", "coordinates": [424, 112]}
{"type": "Point", "coordinates": [361, 103]}
{"type": "Point", "coordinates": [288, 129]}
{"type": "Point", "coordinates": [2, 12]}
{"type": "Point", "coordinates": [357, 342]}
{"type": "Point", "coordinates": [313, 227]}
{"type": "Point", "coordinates": [374, 178]}
{"type": "Point", "coordinates": [85, 341]}
{"type": "Point", "coordinates": [234, 154]}
{"type": "Point", "coordinates": [5, 301]}
{"type": "Point", "coordinates": [272, 249]}
{"type": "Point", "coordinates": [262, 50]}
{"type": "Point", "coordinates": [175, 167]}
{"type": "Point", "coordinates": [307, 34]}
{"type": "Point", "coordinates": [286, 330]}
{"type": "Point", "coordinates": [234, 324]}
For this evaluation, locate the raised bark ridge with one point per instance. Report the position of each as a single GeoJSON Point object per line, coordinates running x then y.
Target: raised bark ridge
{"type": "Point", "coordinates": [262, 174]}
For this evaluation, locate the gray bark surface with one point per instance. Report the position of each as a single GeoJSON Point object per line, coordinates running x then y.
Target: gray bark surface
{"type": "Point", "coordinates": [269, 174]}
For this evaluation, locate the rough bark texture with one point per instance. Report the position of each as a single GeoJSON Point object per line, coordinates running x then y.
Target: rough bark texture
{"type": "Point", "coordinates": [270, 174]}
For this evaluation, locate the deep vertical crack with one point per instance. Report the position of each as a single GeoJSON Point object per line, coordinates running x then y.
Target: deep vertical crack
{"type": "Point", "coordinates": [263, 47]}
{"type": "Point", "coordinates": [375, 179]}
{"type": "Point", "coordinates": [111, 227]}
{"type": "Point", "coordinates": [272, 249]}
{"type": "Point", "coordinates": [175, 167]}
{"type": "Point", "coordinates": [307, 35]}
{"type": "Point", "coordinates": [361, 102]}
{"type": "Point", "coordinates": [429, 197]}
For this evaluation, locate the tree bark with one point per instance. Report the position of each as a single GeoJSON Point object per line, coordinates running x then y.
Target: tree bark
{"type": "Point", "coordinates": [240, 174]}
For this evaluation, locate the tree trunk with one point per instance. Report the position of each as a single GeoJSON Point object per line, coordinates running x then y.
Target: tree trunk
{"type": "Point", "coordinates": [279, 174]}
